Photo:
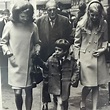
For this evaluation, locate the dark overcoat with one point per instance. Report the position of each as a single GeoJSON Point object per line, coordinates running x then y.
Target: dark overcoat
{"type": "Point", "coordinates": [48, 35]}
{"type": "Point", "coordinates": [2, 24]}
{"type": "Point", "coordinates": [59, 77]}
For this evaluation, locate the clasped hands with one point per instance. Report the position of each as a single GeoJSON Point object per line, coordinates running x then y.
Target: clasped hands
{"type": "Point", "coordinates": [74, 79]}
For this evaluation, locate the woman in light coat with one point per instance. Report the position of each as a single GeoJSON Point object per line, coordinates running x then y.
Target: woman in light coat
{"type": "Point", "coordinates": [20, 40]}
{"type": "Point", "coordinates": [90, 43]}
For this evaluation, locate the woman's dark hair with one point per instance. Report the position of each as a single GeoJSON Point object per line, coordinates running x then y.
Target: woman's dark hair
{"type": "Point", "coordinates": [62, 43]}
{"type": "Point", "coordinates": [21, 7]}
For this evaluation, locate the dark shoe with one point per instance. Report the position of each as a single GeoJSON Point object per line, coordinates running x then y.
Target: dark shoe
{"type": "Point", "coordinates": [45, 107]}
{"type": "Point", "coordinates": [81, 107]}
{"type": "Point", "coordinates": [109, 101]}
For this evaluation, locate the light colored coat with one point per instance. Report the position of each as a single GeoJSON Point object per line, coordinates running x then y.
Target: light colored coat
{"type": "Point", "coordinates": [93, 69]}
{"type": "Point", "coordinates": [20, 40]}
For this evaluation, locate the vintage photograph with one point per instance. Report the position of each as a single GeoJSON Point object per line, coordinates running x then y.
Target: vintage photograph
{"type": "Point", "coordinates": [54, 54]}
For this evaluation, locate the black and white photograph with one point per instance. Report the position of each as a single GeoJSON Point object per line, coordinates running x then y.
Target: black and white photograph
{"type": "Point", "coordinates": [54, 54]}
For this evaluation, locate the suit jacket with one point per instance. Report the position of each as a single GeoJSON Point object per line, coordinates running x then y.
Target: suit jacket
{"type": "Point", "coordinates": [48, 35]}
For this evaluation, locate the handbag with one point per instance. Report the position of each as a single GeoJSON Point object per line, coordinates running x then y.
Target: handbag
{"type": "Point", "coordinates": [36, 71]}
{"type": "Point", "coordinates": [76, 83]}
{"type": "Point", "coordinates": [36, 74]}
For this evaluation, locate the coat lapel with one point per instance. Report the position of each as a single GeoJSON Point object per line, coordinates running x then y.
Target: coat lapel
{"type": "Point", "coordinates": [46, 27]}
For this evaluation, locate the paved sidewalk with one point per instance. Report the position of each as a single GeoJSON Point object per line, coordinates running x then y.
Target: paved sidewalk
{"type": "Point", "coordinates": [8, 99]}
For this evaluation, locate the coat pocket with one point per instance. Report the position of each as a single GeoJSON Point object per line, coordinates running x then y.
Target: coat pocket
{"type": "Point", "coordinates": [13, 61]}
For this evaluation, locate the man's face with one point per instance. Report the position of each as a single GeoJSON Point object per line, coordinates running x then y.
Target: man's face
{"type": "Point", "coordinates": [52, 12]}
{"type": "Point", "coordinates": [6, 15]}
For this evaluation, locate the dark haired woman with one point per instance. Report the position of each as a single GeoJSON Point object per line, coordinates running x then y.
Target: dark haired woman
{"type": "Point", "coordinates": [20, 40]}
{"type": "Point", "coordinates": [91, 39]}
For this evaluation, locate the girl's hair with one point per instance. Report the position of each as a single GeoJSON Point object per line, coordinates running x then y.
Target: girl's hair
{"type": "Point", "coordinates": [85, 21]}
{"type": "Point", "coordinates": [63, 44]}
{"type": "Point", "coordinates": [20, 7]}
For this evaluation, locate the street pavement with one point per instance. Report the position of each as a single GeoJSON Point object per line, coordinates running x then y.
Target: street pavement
{"type": "Point", "coordinates": [8, 99]}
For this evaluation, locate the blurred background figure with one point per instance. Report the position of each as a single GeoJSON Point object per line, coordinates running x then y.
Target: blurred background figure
{"type": "Point", "coordinates": [75, 2]}
{"type": "Point", "coordinates": [81, 12]}
{"type": "Point", "coordinates": [5, 18]}
{"type": "Point", "coordinates": [1, 12]}
{"type": "Point", "coordinates": [60, 10]}
{"type": "Point", "coordinates": [108, 52]}
{"type": "Point", "coordinates": [6, 15]}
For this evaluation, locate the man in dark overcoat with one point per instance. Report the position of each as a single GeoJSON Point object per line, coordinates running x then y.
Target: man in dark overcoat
{"type": "Point", "coordinates": [51, 27]}
{"type": "Point", "coordinates": [4, 60]}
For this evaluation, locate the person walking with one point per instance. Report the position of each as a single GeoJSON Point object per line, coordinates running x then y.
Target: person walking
{"type": "Point", "coordinates": [19, 41]}
{"type": "Point", "coordinates": [62, 72]}
{"type": "Point", "coordinates": [91, 39]}
{"type": "Point", "coordinates": [51, 27]}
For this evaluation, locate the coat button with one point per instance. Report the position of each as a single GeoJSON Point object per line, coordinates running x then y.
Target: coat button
{"type": "Point", "coordinates": [84, 51]}
{"type": "Point", "coordinates": [61, 69]}
{"type": "Point", "coordinates": [89, 42]}
{"type": "Point", "coordinates": [95, 42]}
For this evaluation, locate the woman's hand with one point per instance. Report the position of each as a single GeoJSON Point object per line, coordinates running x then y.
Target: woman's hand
{"type": "Point", "coordinates": [37, 49]}
{"type": "Point", "coordinates": [74, 79]}
{"type": "Point", "coordinates": [9, 54]}
{"type": "Point", "coordinates": [98, 52]}
{"type": "Point", "coordinates": [37, 52]}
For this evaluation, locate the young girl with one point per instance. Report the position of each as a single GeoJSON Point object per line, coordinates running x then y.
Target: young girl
{"type": "Point", "coordinates": [62, 71]}
{"type": "Point", "coordinates": [90, 43]}
{"type": "Point", "coordinates": [20, 40]}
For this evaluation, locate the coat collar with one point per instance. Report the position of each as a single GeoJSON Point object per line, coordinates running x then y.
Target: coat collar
{"type": "Point", "coordinates": [65, 58]}
{"type": "Point", "coordinates": [47, 18]}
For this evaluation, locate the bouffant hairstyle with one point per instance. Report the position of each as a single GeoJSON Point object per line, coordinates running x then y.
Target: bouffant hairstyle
{"type": "Point", "coordinates": [20, 7]}
{"type": "Point", "coordinates": [63, 44]}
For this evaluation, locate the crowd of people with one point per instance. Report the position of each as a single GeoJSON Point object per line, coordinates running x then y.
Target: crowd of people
{"type": "Point", "coordinates": [65, 52]}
